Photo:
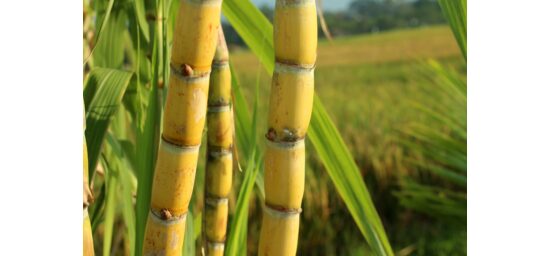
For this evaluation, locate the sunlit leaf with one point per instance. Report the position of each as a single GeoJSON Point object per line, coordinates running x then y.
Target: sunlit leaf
{"type": "Point", "coordinates": [102, 94]}
{"type": "Point", "coordinates": [456, 14]}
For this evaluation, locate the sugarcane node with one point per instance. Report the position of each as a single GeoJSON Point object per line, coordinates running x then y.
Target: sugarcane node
{"type": "Point", "coordinates": [160, 84]}
{"type": "Point", "coordinates": [165, 214]}
{"type": "Point", "coordinates": [150, 17]}
{"type": "Point", "coordinates": [218, 107]}
{"type": "Point", "coordinates": [178, 146]}
{"type": "Point", "coordinates": [220, 63]}
{"type": "Point", "coordinates": [216, 245]}
{"type": "Point", "coordinates": [288, 135]}
{"type": "Point", "coordinates": [271, 134]}
{"type": "Point", "coordinates": [287, 62]}
{"type": "Point", "coordinates": [294, 64]}
{"type": "Point", "coordinates": [283, 66]}
{"type": "Point", "coordinates": [170, 141]}
{"type": "Point", "coordinates": [282, 209]}
{"type": "Point", "coordinates": [210, 157]}
{"type": "Point", "coordinates": [215, 152]}
{"type": "Point", "coordinates": [212, 201]}
{"type": "Point", "coordinates": [220, 102]}
{"type": "Point", "coordinates": [186, 70]}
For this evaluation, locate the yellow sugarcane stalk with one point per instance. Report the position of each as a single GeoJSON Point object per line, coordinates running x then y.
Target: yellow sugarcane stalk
{"type": "Point", "coordinates": [219, 164]}
{"type": "Point", "coordinates": [184, 115]}
{"type": "Point", "coordinates": [291, 101]}
{"type": "Point", "coordinates": [88, 242]}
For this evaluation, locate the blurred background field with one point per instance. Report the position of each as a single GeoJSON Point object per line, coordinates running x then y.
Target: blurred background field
{"type": "Point", "coordinates": [367, 83]}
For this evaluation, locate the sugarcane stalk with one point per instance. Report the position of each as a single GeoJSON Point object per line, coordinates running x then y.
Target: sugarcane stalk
{"type": "Point", "coordinates": [219, 163]}
{"type": "Point", "coordinates": [193, 49]}
{"type": "Point", "coordinates": [290, 106]}
{"type": "Point", "coordinates": [88, 242]}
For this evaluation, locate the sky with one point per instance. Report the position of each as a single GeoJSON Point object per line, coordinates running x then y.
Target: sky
{"type": "Point", "coordinates": [331, 5]}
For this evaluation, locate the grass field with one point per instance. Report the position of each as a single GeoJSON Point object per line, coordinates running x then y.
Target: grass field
{"type": "Point", "coordinates": [367, 83]}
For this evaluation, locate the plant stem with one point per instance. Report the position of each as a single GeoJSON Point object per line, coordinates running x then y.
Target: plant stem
{"type": "Point", "coordinates": [184, 116]}
{"type": "Point", "coordinates": [291, 102]}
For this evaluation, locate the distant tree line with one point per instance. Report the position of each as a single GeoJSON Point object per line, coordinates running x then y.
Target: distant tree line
{"type": "Point", "coordinates": [367, 16]}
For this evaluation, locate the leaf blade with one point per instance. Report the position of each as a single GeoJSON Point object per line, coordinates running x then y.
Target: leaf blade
{"type": "Point", "coordinates": [109, 86]}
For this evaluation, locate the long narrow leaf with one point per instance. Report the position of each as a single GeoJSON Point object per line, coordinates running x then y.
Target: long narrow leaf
{"type": "Point", "coordinates": [347, 178]}
{"type": "Point", "coordinates": [253, 27]}
{"type": "Point", "coordinates": [104, 89]}
{"type": "Point", "coordinates": [236, 241]}
{"type": "Point", "coordinates": [103, 21]}
{"type": "Point", "coordinates": [127, 183]}
{"type": "Point", "coordinates": [109, 52]}
{"type": "Point", "coordinates": [146, 157]}
{"type": "Point", "coordinates": [456, 13]}
{"type": "Point", "coordinates": [97, 208]}
{"type": "Point", "coordinates": [110, 208]}
{"type": "Point", "coordinates": [189, 243]}
{"type": "Point", "coordinates": [139, 10]}
{"type": "Point", "coordinates": [243, 121]}
{"type": "Point", "coordinates": [245, 134]}
{"type": "Point", "coordinates": [148, 134]}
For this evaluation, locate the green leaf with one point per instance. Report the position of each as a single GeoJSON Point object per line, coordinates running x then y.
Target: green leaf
{"type": "Point", "coordinates": [146, 153]}
{"type": "Point", "coordinates": [102, 19]}
{"type": "Point", "coordinates": [110, 207]}
{"type": "Point", "coordinates": [456, 14]}
{"type": "Point", "coordinates": [197, 224]}
{"type": "Point", "coordinates": [120, 161]}
{"type": "Point", "coordinates": [253, 27]}
{"type": "Point", "coordinates": [347, 178]}
{"type": "Point", "coordinates": [97, 208]}
{"type": "Point", "coordinates": [242, 117]}
{"type": "Point", "coordinates": [236, 240]}
{"type": "Point", "coordinates": [109, 51]}
{"type": "Point", "coordinates": [189, 243]}
{"type": "Point", "coordinates": [148, 131]}
{"type": "Point", "coordinates": [102, 94]}
{"type": "Point", "coordinates": [128, 207]}
{"type": "Point", "coordinates": [139, 9]}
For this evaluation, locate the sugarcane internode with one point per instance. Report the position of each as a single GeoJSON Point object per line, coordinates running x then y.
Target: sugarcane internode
{"type": "Point", "coordinates": [184, 116]}
{"type": "Point", "coordinates": [290, 105]}
{"type": "Point", "coordinates": [219, 164]}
